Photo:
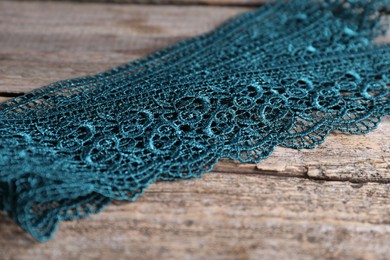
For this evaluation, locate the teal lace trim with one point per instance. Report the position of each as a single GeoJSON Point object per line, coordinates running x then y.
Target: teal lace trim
{"type": "Point", "coordinates": [285, 74]}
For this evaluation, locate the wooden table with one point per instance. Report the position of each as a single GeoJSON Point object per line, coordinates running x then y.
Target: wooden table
{"type": "Point", "coordinates": [330, 202]}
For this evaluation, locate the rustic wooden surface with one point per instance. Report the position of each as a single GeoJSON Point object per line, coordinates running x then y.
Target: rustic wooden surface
{"type": "Point", "coordinates": [328, 203]}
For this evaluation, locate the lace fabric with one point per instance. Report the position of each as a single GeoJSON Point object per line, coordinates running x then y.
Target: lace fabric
{"type": "Point", "coordinates": [286, 74]}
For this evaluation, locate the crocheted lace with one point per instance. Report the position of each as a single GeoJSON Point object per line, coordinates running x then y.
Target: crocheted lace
{"type": "Point", "coordinates": [285, 74]}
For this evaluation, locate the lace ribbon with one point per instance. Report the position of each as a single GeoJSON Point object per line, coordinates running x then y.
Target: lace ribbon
{"type": "Point", "coordinates": [285, 74]}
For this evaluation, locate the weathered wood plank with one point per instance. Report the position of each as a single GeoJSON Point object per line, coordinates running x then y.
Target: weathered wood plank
{"type": "Point", "coordinates": [342, 157]}
{"type": "Point", "coordinates": [330, 202]}
{"type": "Point", "coordinates": [42, 42]}
{"type": "Point", "coordinates": [226, 216]}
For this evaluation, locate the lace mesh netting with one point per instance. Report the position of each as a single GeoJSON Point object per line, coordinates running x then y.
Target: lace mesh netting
{"type": "Point", "coordinates": [285, 74]}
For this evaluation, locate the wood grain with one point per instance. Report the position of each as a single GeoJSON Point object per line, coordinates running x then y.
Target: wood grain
{"type": "Point", "coordinates": [42, 42]}
{"type": "Point", "coordinates": [226, 216]}
{"type": "Point", "coordinates": [327, 203]}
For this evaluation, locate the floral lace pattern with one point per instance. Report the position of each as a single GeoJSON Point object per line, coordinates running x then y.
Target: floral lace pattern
{"type": "Point", "coordinates": [285, 74]}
